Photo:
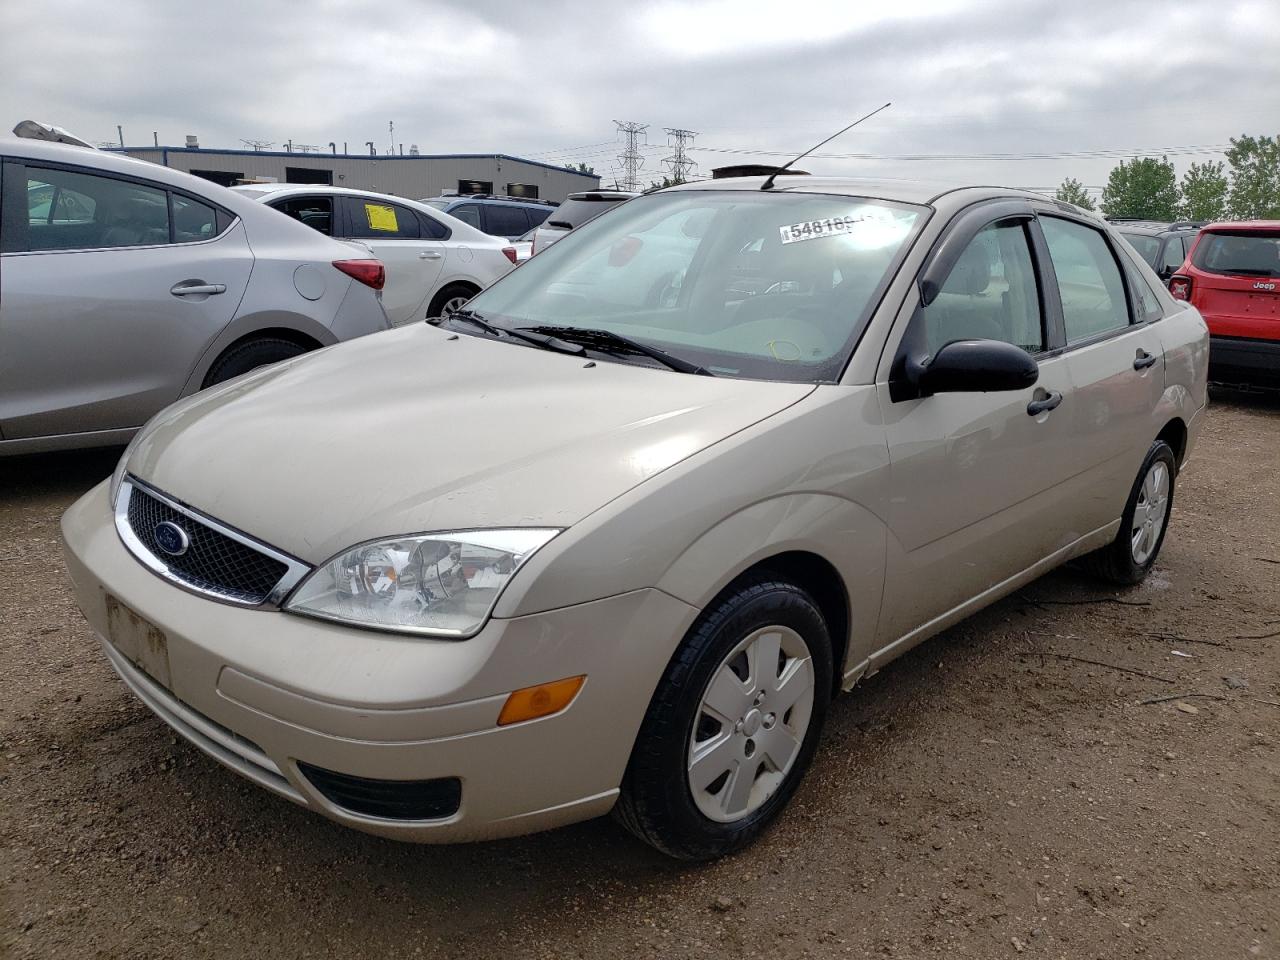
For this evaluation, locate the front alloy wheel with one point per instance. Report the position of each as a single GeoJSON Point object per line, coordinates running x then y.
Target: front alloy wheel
{"type": "Point", "coordinates": [733, 723]}
{"type": "Point", "coordinates": [751, 722]}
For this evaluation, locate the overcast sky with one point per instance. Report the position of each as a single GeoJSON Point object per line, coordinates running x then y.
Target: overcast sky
{"type": "Point", "coordinates": [548, 78]}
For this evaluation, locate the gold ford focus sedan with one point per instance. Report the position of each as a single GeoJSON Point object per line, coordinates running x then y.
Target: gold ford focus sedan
{"type": "Point", "coordinates": [613, 535]}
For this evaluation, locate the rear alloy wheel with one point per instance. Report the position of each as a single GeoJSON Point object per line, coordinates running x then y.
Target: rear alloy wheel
{"type": "Point", "coordinates": [1129, 558]}
{"type": "Point", "coordinates": [733, 724]}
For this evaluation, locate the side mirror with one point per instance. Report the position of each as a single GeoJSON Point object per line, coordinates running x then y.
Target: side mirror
{"type": "Point", "coordinates": [975, 366]}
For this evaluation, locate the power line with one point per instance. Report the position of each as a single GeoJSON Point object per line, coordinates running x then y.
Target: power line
{"type": "Point", "coordinates": [1102, 154]}
{"type": "Point", "coordinates": [679, 163]}
{"type": "Point", "coordinates": [630, 157]}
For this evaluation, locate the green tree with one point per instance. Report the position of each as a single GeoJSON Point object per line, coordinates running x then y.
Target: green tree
{"type": "Point", "coordinates": [664, 182]}
{"type": "Point", "coordinates": [1073, 191]}
{"type": "Point", "coordinates": [1144, 188]}
{"type": "Point", "coordinates": [1204, 191]}
{"type": "Point", "coordinates": [1255, 178]}
{"type": "Point", "coordinates": [583, 168]}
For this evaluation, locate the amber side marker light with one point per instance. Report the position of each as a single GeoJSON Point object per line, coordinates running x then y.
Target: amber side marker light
{"type": "Point", "coordinates": [543, 700]}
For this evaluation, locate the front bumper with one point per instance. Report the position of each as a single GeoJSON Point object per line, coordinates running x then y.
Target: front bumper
{"type": "Point", "coordinates": [263, 691]}
{"type": "Point", "coordinates": [1234, 361]}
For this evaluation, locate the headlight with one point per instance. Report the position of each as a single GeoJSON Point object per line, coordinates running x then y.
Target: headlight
{"type": "Point", "coordinates": [444, 584]}
{"type": "Point", "coordinates": [117, 475]}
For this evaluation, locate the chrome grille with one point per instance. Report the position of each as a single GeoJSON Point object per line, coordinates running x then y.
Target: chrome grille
{"type": "Point", "coordinates": [217, 561]}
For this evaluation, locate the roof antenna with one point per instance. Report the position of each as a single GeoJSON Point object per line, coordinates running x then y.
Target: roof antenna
{"type": "Point", "coordinates": [768, 184]}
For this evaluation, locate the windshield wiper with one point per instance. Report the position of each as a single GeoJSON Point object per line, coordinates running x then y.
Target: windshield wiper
{"type": "Point", "coordinates": [538, 339]}
{"type": "Point", "coordinates": [610, 342]}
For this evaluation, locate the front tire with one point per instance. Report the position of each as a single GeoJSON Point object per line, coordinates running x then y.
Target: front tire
{"type": "Point", "coordinates": [733, 724]}
{"type": "Point", "coordinates": [1129, 558]}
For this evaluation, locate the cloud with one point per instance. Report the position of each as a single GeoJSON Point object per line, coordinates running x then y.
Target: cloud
{"type": "Point", "coordinates": [968, 79]}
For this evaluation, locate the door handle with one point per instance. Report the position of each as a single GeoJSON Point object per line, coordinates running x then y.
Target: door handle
{"type": "Point", "coordinates": [429, 255]}
{"type": "Point", "coordinates": [1037, 407]}
{"type": "Point", "coordinates": [189, 289]}
{"type": "Point", "coordinates": [1144, 360]}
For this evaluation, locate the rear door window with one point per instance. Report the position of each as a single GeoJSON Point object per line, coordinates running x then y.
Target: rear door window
{"type": "Point", "coordinates": [315, 212]}
{"type": "Point", "coordinates": [504, 221]}
{"type": "Point", "coordinates": [193, 221]}
{"type": "Point", "coordinates": [432, 229]}
{"type": "Point", "coordinates": [1093, 296]}
{"type": "Point", "coordinates": [77, 211]}
{"type": "Point", "coordinates": [373, 218]}
{"type": "Point", "coordinates": [1242, 254]}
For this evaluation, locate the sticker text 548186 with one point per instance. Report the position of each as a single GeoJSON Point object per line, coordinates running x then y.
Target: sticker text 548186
{"type": "Point", "coordinates": [812, 229]}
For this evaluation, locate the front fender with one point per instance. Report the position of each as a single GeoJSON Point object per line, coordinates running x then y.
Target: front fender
{"type": "Point", "coordinates": [846, 535]}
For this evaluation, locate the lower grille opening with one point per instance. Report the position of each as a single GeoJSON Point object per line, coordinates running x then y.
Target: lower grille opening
{"type": "Point", "coordinates": [387, 799]}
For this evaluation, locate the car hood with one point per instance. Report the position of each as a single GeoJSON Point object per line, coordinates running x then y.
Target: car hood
{"type": "Point", "coordinates": [419, 430]}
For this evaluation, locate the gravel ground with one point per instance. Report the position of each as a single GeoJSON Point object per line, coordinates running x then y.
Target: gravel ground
{"type": "Point", "coordinates": [985, 796]}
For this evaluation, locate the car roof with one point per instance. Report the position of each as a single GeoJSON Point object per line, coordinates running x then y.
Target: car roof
{"type": "Point", "coordinates": [923, 192]}
{"type": "Point", "coordinates": [90, 159]}
{"type": "Point", "coordinates": [1243, 226]}
{"type": "Point", "coordinates": [261, 193]}
{"type": "Point", "coordinates": [603, 194]}
{"type": "Point", "coordinates": [1155, 227]}
{"type": "Point", "coordinates": [486, 198]}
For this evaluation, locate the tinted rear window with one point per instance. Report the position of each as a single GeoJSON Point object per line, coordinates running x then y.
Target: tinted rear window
{"type": "Point", "coordinates": [577, 212]}
{"type": "Point", "coordinates": [1246, 254]}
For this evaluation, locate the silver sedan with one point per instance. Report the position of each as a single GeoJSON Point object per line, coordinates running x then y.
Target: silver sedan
{"type": "Point", "coordinates": [125, 285]}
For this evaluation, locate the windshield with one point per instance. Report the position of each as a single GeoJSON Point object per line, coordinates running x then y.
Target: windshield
{"type": "Point", "coordinates": [771, 286]}
{"type": "Point", "coordinates": [1148, 247]}
{"type": "Point", "coordinates": [1248, 254]}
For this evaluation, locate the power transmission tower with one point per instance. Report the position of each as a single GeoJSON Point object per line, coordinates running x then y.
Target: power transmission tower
{"type": "Point", "coordinates": [630, 158]}
{"type": "Point", "coordinates": [679, 163]}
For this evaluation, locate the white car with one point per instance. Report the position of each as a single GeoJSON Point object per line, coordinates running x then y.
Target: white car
{"type": "Point", "coordinates": [576, 210]}
{"type": "Point", "coordinates": [435, 263]}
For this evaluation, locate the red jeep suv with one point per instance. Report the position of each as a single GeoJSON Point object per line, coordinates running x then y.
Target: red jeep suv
{"type": "Point", "coordinates": [1232, 276]}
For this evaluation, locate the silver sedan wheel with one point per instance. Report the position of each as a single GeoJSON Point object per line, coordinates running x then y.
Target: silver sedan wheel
{"type": "Point", "coordinates": [751, 724]}
{"type": "Point", "coordinates": [1149, 512]}
{"type": "Point", "coordinates": [452, 304]}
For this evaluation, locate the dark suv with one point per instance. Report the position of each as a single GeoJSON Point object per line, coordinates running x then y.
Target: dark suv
{"type": "Point", "coordinates": [497, 216]}
{"type": "Point", "coordinates": [1163, 245]}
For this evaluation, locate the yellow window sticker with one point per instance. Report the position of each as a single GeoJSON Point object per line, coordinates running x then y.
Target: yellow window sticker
{"type": "Point", "coordinates": [381, 217]}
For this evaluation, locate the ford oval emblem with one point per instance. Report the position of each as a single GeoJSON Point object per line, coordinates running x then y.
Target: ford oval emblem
{"type": "Point", "coordinates": [171, 538]}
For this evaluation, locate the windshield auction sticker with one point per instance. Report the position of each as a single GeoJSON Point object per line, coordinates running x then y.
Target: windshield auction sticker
{"type": "Point", "coordinates": [813, 229]}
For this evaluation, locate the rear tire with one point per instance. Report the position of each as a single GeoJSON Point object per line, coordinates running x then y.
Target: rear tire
{"type": "Point", "coordinates": [737, 662]}
{"type": "Point", "coordinates": [450, 297]}
{"type": "Point", "coordinates": [1129, 558]}
{"type": "Point", "coordinates": [249, 356]}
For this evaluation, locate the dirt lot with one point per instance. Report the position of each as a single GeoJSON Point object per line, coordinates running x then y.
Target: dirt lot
{"type": "Point", "coordinates": [983, 797]}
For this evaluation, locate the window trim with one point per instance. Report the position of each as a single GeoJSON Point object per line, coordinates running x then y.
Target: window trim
{"type": "Point", "coordinates": [1130, 303]}
{"type": "Point", "coordinates": [16, 168]}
